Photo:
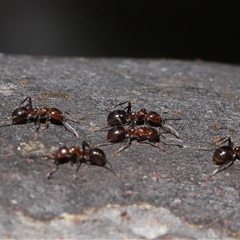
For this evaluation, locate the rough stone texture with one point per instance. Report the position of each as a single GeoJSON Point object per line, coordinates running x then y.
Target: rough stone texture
{"type": "Point", "coordinates": [158, 194]}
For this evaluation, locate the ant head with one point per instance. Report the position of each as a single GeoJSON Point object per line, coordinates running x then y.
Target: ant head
{"type": "Point", "coordinates": [117, 117]}
{"type": "Point", "coordinates": [154, 118]}
{"type": "Point", "coordinates": [223, 155]}
{"type": "Point", "coordinates": [153, 134]}
{"type": "Point", "coordinates": [62, 153]}
{"type": "Point", "coordinates": [116, 134]}
{"type": "Point", "coordinates": [20, 115]}
{"type": "Point", "coordinates": [97, 157]}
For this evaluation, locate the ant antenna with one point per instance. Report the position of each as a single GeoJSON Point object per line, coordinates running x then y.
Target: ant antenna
{"type": "Point", "coordinates": [220, 169]}
{"type": "Point", "coordinates": [8, 124]}
{"type": "Point", "coordinates": [110, 168]}
{"type": "Point", "coordinates": [70, 128]}
{"type": "Point", "coordinates": [170, 129]}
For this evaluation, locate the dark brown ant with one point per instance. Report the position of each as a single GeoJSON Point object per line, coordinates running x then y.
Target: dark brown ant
{"type": "Point", "coordinates": [225, 156]}
{"type": "Point", "coordinates": [119, 134]}
{"type": "Point", "coordinates": [27, 114]}
{"type": "Point", "coordinates": [127, 117]}
{"type": "Point", "coordinates": [75, 155]}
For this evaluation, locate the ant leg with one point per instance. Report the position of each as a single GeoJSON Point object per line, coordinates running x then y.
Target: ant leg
{"type": "Point", "coordinates": [128, 107]}
{"type": "Point", "coordinates": [123, 147]}
{"type": "Point", "coordinates": [145, 122]}
{"type": "Point", "coordinates": [122, 103]}
{"type": "Point", "coordinates": [78, 165]}
{"type": "Point", "coordinates": [27, 98]}
{"type": "Point", "coordinates": [38, 125]}
{"type": "Point", "coordinates": [223, 140]}
{"type": "Point", "coordinates": [132, 125]}
{"type": "Point", "coordinates": [171, 130]}
{"type": "Point", "coordinates": [29, 105]}
{"type": "Point", "coordinates": [220, 169]}
{"type": "Point", "coordinates": [99, 129]}
{"type": "Point", "coordinates": [174, 140]}
{"type": "Point", "coordinates": [154, 144]}
{"type": "Point", "coordinates": [46, 123]}
{"type": "Point", "coordinates": [74, 118]}
{"type": "Point", "coordinates": [110, 168]}
{"type": "Point", "coordinates": [69, 127]}
{"type": "Point", "coordinates": [7, 124]}
{"type": "Point", "coordinates": [218, 143]}
{"type": "Point", "coordinates": [51, 170]}
{"type": "Point", "coordinates": [102, 144]}
{"type": "Point", "coordinates": [84, 145]}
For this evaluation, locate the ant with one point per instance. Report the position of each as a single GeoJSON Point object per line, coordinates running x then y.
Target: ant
{"type": "Point", "coordinates": [127, 117]}
{"type": "Point", "coordinates": [119, 134]}
{"type": "Point", "coordinates": [225, 156]}
{"type": "Point", "coordinates": [26, 114]}
{"type": "Point", "coordinates": [75, 155]}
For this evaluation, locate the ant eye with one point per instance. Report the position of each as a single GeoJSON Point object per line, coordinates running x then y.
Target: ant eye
{"type": "Point", "coordinates": [222, 155]}
{"type": "Point", "coordinates": [19, 115]}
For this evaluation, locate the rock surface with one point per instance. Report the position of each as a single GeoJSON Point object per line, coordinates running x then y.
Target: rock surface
{"type": "Point", "coordinates": [157, 194]}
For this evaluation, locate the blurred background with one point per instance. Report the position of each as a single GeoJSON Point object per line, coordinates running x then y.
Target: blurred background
{"type": "Point", "coordinates": [179, 29]}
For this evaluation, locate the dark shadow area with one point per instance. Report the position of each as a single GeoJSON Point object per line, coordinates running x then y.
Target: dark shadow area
{"type": "Point", "coordinates": [208, 30]}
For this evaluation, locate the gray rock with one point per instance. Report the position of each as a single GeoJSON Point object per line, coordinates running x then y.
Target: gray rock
{"type": "Point", "coordinates": [157, 194]}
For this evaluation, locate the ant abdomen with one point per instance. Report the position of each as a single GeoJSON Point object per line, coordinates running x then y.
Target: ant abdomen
{"type": "Point", "coordinates": [116, 117]}
{"type": "Point", "coordinates": [20, 115]}
{"type": "Point", "coordinates": [116, 134]}
{"type": "Point", "coordinates": [98, 157]}
{"type": "Point", "coordinates": [223, 155]}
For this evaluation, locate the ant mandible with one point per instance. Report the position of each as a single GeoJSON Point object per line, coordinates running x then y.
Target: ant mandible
{"type": "Point", "coordinates": [127, 117]}
{"type": "Point", "coordinates": [119, 134]}
{"type": "Point", "coordinates": [27, 114]}
{"type": "Point", "coordinates": [75, 155]}
{"type": "Point", "coordinates": [225, 156]}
